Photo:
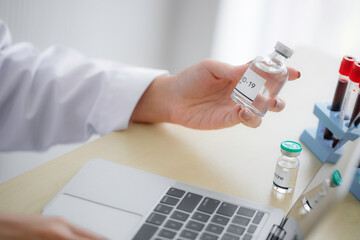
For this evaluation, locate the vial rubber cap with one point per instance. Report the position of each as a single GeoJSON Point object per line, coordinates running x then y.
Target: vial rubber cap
{"type": "Point", "coordinates": [291, 146]}
{"type": "Point", "coordinates": [336, 178]}
{"type": "Point", "coordinates": [355, 72]}
{"type": "Point", "coordinates": [284, 50]}
{"type": "Point", "coordinates": [346, 65]}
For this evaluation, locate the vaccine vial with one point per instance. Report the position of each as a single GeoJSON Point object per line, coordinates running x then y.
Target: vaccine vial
{"type": "Point", "coordinates": [263, 80]}
{"type": "Point", "coordinates": [311, 198]}
{"type": "Point", "coordinates": [315, 195]}
{"type": "Point", "coordinates": [287, 167]}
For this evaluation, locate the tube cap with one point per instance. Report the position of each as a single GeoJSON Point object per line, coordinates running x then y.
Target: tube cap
{"type": "Point", "coordinates": [355, 72]}
{"type": "Point", "coordinates": [346, 65]}
{"type": "Point", "coordinates": [283, 50]}
{"type": "Point", "coordinates": [336, 178]}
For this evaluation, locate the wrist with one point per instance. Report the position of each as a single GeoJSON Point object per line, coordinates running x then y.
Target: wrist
{"type": "Point", "coordinates": [155, 104]}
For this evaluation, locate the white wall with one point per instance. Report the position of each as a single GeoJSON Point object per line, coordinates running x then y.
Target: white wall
{"type": "Point", "coordinates": [126, 31]}
{"type": "Point", "coordinates": [246, 29]}
{"type": "Point", "coordinates": [158, 33]}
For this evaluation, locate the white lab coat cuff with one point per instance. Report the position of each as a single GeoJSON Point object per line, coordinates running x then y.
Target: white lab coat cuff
{"type": "Point", "coordinates": [119, 95]}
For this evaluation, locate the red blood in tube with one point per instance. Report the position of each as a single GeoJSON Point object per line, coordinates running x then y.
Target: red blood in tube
{"type": "Point", "coordinates": [337, 102]}
{"type": "Point", "coordinates": [339, 94]}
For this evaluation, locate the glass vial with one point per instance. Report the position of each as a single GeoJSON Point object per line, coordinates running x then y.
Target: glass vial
{"type": "Point", "coordinates": [315, 195]}
{"type": "Point", "coordinates": [287, 167]}
{"type": "Point", "coordinates": [263, 80]}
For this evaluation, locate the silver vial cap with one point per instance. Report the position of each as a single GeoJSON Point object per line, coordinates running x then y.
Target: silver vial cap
{"type": "Point", "coordinates": [284, 50]}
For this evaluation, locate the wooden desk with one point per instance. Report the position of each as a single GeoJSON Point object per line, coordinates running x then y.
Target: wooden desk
{"type": "Point", "coordinates": [238, 161]}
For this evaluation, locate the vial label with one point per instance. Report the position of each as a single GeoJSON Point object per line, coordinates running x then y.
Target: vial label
{"type": "Point", "coordinates": [284, 177]}
{"type": "Point", "coordinates": [250, 85]}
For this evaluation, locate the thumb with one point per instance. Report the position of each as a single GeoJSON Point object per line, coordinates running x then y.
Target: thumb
{"type": "Point", "coordinates": [238, 72]}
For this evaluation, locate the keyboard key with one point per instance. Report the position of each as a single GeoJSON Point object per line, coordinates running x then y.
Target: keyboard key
{"type": "Point", "coordinates": [145, 232]}
{"type": "Point", "coordinates": [180, 216]}
{"type": "Point", "coordinates": [246, 212]}
{"type": "Point", "coordinates": [214, 228]}
{"type": "Point", "coordinates": [175, 192]}
{"type": "Point", "coordinates": [202, 217]}
{"type": "Point", "coordinates": [192, 225]}
{"type": "Point", "coordinates": [189, 202]}
{"type": "Point", "coordinates": [169, 200]}
{"type": "Point", "coordinates": [252, 229]}
{"type": "Point", "coordinates": [208, 205]}
{"type": "Point", "coordinates": [188, 234]}
{"type": "Point", "coordinates": [227, 209]}
{"type": "Point", "coordinates": [220, 220]}
{"type": "Point", "coordinates": [241, 220]}
{"type": "Point", "coordinates": [163, 209]}
{"type": "Point", "coordinates": [237, 230]}
{"type": "Point", "coordinates": [167, 234]}
{"type": "Point", "coordinates": [258, 217]}
{"type": "Point", "coordinates": [208, 236]}
{"type": "Point", "coordinates": [173, 225]}
{"type": "Point", "coordinates": [229, 237]}
{"type": "Point", "coordinates": [247, 237]}
{"type": "Point", "coordinates": [156, 219]}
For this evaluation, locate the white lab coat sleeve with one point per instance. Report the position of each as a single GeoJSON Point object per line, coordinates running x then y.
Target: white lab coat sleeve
{"type": "Point", "coordinates": [60, 96]}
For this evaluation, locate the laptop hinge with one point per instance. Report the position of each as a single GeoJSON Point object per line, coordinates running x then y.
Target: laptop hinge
{"type": "Point", "coordinates": [276, 233]}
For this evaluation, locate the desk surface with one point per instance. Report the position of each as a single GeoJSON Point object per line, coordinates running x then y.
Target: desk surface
{"type": "Point", "coordinates": [238, 161]}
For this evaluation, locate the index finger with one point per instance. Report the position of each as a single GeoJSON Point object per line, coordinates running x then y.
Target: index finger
{"type": "Point", "coordinates": [293, 73]}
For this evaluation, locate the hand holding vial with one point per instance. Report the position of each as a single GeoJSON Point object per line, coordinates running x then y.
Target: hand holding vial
{"type": "Point", "coordinates": [199, 98]}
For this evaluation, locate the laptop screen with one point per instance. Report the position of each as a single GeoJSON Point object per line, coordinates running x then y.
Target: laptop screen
{"type": "Point", "coordinates": [322, 194]}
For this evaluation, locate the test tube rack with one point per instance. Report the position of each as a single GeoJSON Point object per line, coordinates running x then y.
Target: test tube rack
{"type": "Point", "coordinates": [355, 186]}
{"type": "Point", "coordinates": [313, 137]}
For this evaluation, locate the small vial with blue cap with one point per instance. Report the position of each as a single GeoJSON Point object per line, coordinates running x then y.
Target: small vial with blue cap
{"type": "Point", "coordinates": [287, 166]}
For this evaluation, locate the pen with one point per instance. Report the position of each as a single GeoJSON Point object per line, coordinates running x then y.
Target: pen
{"type": "Point", "coordinates": [344, 71]}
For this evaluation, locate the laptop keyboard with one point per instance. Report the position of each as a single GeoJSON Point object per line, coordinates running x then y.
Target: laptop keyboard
{"type": "Point", "coordinates": [184, 215]}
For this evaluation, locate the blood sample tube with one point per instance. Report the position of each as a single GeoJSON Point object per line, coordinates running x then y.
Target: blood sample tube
{"type": "Point", "coordinates": [356, 110]}
{"type": "Point", "coordinates": [357, 122]}
{"type": "Point", "coordinates": [344, 72]}
{"type": "Point", "coordinates": [352, 91]}
{"type": "Point", "coordinates": [337, 102]}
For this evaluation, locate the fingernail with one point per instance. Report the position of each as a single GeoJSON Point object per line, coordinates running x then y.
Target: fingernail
{"type": "Point", "coordinates": [279, 103]}
{"type": "Point", "coordinates": [246, 114]}
{"type": "Point", "coordinates": [299, 74]}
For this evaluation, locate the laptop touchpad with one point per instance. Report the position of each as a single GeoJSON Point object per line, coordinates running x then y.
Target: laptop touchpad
{"type": "Point", "coordinates": [110, 222]}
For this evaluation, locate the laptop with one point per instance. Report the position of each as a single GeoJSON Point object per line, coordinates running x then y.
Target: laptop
{"type": "Point", "coordinates": [123, 203]}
